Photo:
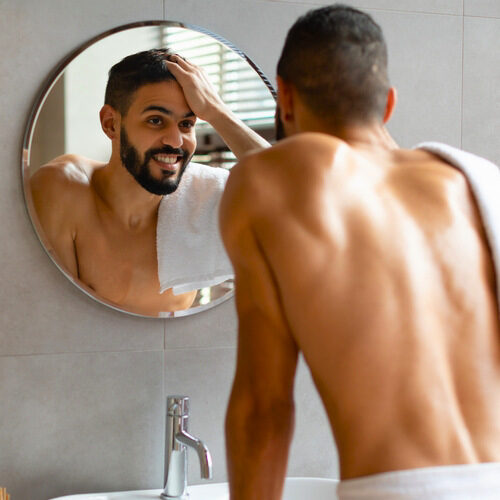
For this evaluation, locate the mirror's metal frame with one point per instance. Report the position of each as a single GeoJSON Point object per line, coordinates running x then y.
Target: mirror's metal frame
{"type": "Point", "coordinates": [42, 95]}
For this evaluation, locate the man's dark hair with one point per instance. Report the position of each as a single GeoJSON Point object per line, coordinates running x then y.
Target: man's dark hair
{"type": "Point", "coordinates": [132, 73]}
{"type": "Point", "coordinates": [336, 58]}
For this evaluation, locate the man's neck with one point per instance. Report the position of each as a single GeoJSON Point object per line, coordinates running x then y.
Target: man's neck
{"type": "Point", "coordinates": [369, 138]}
{"type": "Point", "coordinates": [124, 197]}
{"type": "Point", "coordinates": [374, 138]}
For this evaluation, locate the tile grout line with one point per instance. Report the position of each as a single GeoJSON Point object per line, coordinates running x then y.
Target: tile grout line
{"type": "Point", "coordinates": [378, 9]}
{"type": "Point", "coordinates": [164, 349]}
{"type": "Point", "coordinates": [201, 348]}
{"type": "Point", "coordinates": [78, 353]}
{"type": "Point", "coordinates": [481, 17]}
{"type": "Point", "coordinates": [298, 2]}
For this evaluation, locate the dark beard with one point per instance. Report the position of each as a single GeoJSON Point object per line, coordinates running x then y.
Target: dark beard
{"type": "Point", "coordinates": [140, 171]}
{"type": "Point", "coordinates": [278, 125]}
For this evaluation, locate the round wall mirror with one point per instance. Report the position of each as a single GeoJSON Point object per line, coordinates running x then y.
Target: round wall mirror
{"type": "Point", "coordinates": [65, 143]}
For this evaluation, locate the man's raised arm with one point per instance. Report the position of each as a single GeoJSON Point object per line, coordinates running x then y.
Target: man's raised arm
{"type": "Point", "coordinates": [207, 105]}
{"type": "Point", "coordinates": [260, 414]}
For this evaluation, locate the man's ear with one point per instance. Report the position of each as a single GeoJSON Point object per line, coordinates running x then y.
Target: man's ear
{"type": "Point", "coordinates": [392, 98]}
{"type": "Point", "coordinates": [285, 99]}
{"type": "Point", "coordinates": [110, 121]}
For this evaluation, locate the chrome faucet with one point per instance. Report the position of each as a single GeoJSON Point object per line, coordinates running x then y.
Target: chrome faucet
{"type": "Point", "coordinates": [176, 441]}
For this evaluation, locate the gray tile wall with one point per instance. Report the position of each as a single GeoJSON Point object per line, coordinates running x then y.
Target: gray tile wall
{"type": "Point", "coordinates": [429, 6]}
{"type": "Point", "coordinates": [484, 8]}
{"type": "Point", "coordinates": [82, 387]}
{"type": "Point", "coordinates": [481, 93]}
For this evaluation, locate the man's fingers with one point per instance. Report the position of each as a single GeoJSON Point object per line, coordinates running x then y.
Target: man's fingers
{"type": "Point", "coordinates": [179, 60]}
{"type": "Point", "coordinates": [180, 73]}
{"type": "Point", "coordinates": [188, 67]}
{"type": "Point", "coordinates": [175, 67]}
{"type": "Point", "coordinates": [187, 71]}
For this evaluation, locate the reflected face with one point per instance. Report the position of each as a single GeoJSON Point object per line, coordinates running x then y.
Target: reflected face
{"type": "Point", "coordinates": [157, 137]}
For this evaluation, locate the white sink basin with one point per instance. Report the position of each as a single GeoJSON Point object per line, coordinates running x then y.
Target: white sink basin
{"type": "Point", "coordinates": [296, 488]}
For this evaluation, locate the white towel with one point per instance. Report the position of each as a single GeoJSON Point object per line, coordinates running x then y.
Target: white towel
{"type": "Point", "coordinates": [189, 247]}
{"type": "Point", "coordinates": [446, 482]}
{"type": "Point", "coordinates": [484, 181]}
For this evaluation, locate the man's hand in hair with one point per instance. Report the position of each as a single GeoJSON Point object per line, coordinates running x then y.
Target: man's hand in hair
{"type": "Point", "coordinates": [200, 94]}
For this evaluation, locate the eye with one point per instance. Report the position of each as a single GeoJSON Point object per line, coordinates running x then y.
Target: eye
{"type": "Point", "coordinates": [186, 124]}
{"type": "Point", "coordinates": [155, 120]}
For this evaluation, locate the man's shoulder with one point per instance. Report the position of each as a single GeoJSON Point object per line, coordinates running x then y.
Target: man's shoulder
{"type": "Point", "coordinates": [67, 174]}
{"type": "Point", "coordinates": [298, 160]}
{"type": "Point", "coordinates": [61, 190]}
{"type": "Point", "coordinates": [311, 149]}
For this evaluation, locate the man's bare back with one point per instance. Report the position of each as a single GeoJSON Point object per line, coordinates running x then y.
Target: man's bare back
{"type": "Point", "coordinates": [114, 258]}
{"type": "Point", "coordinates": [375, 266]}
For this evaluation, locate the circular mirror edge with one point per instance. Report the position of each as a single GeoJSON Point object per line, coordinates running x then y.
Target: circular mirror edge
{"type": "Point", "coordinates": [40, 97]}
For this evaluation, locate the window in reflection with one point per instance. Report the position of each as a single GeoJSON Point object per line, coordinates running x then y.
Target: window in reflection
{"type": "Point", "coordinates": [238, 84]}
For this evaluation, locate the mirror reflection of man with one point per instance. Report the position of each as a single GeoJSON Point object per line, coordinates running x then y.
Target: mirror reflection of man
{"type": "Point", "coordinates": [100, 219]}
{"type": "Point", "coordinates": [376, 263]}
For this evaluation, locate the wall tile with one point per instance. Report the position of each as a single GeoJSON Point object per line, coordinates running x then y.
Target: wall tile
{"type": "Point", "coordinates": [429, 6]}
{"type": "Point", "coordinates": [216, 327]}
{"type": "Point", "coordinates": [313, 452]}
{"type": "Point", "coordinates": [39, 35]}
{"type": "Point", "coordinates": [81, 423]}
{"type": "Point", "coordinates": [486, 8]}
{"type": "Point", "coordinates": [243, 23]}
{"type": "Point", "coordinates": [41, 311]}
{"type": "Point", "coordinates": [481, 108]}
{"type": "Point", "coordinates": [425, 65]}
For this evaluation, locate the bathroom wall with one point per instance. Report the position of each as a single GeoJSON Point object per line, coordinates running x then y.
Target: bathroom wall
{"type": "Point", "coordinates": [82, 387]}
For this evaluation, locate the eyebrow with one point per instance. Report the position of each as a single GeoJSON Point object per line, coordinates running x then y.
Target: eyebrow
{"type": "Point", "coordinates": [165, 111]}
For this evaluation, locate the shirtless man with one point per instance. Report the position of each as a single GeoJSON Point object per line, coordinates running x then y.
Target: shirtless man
{"type": "Point", "coordinates": [373, 262]}
{"type": "Point", "coordinates": [100, 218]}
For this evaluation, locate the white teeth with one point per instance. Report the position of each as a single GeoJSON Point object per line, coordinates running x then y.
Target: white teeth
{"type": "Point", "coordinates": [166, 159]}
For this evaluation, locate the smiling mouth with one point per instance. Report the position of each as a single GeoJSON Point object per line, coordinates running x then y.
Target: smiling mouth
{"type": "Point", "coordinates": [168, 163]}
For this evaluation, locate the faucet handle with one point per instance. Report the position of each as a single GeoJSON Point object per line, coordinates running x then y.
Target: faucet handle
{"type": "Point", "coordinates": [177, 406]}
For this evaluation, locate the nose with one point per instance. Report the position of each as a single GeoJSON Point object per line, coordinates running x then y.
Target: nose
{"type": "Point", "coordinates": [172, 137]}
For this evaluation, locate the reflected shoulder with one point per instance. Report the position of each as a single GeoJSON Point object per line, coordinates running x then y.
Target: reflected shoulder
{"type": "Point", "coordinates": [65, 172]}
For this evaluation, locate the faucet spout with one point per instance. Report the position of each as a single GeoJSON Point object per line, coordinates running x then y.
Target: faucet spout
{"type": "Point", "coordinates": [203, 453]}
